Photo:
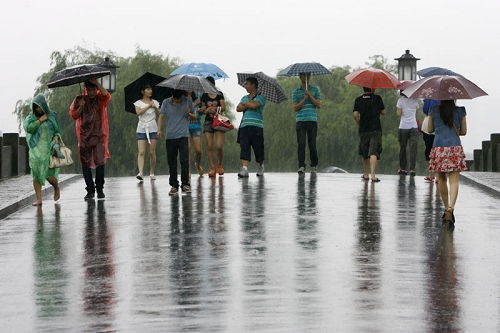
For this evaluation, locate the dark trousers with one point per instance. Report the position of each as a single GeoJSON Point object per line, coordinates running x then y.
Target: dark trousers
{"type": "Point", "coordinates": [89, 181]}
{"type": "Point", "coordinates": [406, 136]}
{"type": "Point", "coordinates": [252, 137]}
{"type": "Point", "coordinates": [429, 142]}
{"type": "Point", "coordinates": [309, 130]}
{"type": "Point", "coordinates": [178, 147]}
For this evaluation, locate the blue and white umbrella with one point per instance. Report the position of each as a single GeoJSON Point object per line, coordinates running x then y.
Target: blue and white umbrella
{"type": "Point", "coordinates": [201, 69]}
{"type": "Point", "coordinates": [431, 71]}
{"type": "Point", "coordinates": [296, 69]}
{"type": "Point", "coordinates": [268, 86]}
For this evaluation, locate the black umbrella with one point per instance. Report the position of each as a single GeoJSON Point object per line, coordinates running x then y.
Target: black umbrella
{"type": "Point", "coordinates": [133, 90]}
{"type": "Point", "coordinates": [76, 74]}
{"type": "Point", "coordinates": [431, 71]}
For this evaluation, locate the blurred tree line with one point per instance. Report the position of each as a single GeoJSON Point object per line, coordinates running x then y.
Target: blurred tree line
{"type": "Point", "coordinates": [337, 132]}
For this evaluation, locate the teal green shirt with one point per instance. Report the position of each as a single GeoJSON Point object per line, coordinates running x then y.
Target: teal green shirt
{"type": "Point", "coordinates": [253, 117]}
{"type": "Point", "coordinates": [308, 111]}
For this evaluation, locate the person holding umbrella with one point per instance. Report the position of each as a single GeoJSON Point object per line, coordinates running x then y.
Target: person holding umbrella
{"type": "Point", "coordinates": [41, 127]}
{"type": "Point", "coordinates": [306, 100]}
{"type": "Point", "coordinates": [92, 130]}
{"type": "Point", "coordinates": [447, 155]}
{"type": "Point", "coordinates": [177, 111]}
{"type": "Point", "coordinates": [147, 110]}
{"type": "Point", "coordinates": [367, 110]}
{"type": "Point", "coordinates": [251, 133]}
{"type": "Point", "coordinates": [210, 105]}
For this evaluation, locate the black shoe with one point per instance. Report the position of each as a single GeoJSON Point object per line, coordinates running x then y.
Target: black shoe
{"type": "Point", "coordinates": [100, 195]}
{"type": "Point", "coordinates": [89, 196]}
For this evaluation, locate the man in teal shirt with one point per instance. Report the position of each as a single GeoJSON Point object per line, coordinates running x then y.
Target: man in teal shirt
{"type": "Point", "coordinates": [251, 132]}
{"type": "Point", "coordinates": [306, 100]}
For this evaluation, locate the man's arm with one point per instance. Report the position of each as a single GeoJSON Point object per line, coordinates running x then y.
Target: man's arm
{"type": "Point", "coordinates": [356, 117]}
{"type": "Point", "coordinates": [160, 125]}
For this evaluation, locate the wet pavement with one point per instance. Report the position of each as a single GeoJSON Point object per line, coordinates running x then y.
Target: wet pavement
{"type": "Point", "coordinates": [280, 253]}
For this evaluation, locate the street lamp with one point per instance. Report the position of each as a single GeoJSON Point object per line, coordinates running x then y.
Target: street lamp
{"type": "Point", "coordinates": [407, 66]}
{"type": "Point", "coordinates": [109, 81]}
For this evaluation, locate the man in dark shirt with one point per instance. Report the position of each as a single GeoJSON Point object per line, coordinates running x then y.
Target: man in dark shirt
{"type": "Point", "coordinates": [367, 110]}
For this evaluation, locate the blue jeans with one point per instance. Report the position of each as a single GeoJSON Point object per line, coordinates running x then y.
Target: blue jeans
{"type": "Point", "coordinates": [178, 147]}
{"type": "Point", "coordinates": [307, 129]}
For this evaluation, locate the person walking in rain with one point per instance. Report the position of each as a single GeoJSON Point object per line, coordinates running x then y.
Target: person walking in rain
{"type": "Point", "coordinates": [252, 127]}
{"type": "Point", "coordinates": [177, 110]}
{"type": "Point", "coordinates": [92, 130]}
{"type": "Point", "coordinates": [306, 100]}
{"type": "Point", "coordinates": [367, 110]}
{"type": "Point", "coordinates": [447, 156]}
{"type": "Point", "coordinates": [406, 108]}
{"type": "Point", "coordinates": [42, 127]}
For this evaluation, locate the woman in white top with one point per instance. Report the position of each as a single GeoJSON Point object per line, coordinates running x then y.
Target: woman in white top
{"type": "Point", "coordinates": [408, 132]}
{"type": "Point", "coordinates": [148, 110]}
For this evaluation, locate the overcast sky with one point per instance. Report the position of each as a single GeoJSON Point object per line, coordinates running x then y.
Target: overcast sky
{"type": "Point", "coordinates": [259, 36]}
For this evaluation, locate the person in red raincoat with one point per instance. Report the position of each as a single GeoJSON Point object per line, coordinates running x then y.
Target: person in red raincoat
{"type": "Point", "coordinates": [92, 130]}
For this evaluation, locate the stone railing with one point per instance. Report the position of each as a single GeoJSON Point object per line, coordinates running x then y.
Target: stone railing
{"type": "Point", "coordinates": [13, 155]}
{"type": "Point", "coordinates": [487, 158]}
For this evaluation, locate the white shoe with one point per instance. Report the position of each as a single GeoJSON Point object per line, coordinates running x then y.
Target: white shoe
{"type": "Point", "coordinates": [152, 177]}
{"type": "Point", "coordinates": [139, 176]}
{"type": "Point", "coordinates": [260, 170]}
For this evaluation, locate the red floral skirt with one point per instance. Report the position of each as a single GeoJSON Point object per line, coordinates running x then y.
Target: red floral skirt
{"type": "Point", "coordinates": [447, 159]}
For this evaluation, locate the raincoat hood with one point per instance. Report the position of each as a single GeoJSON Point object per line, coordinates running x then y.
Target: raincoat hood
{"type": "Point", "coordinates": [41, 102]}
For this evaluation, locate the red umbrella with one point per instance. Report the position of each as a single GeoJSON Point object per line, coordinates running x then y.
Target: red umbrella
{"type": "Point", "coordinates": [373, 78]}
{"type": "Point", "coordinates": [444, 87]}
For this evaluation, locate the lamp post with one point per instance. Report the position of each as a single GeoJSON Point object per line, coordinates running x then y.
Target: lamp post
{"type": "Point", "coordinates": [407, 66]}
{"type": "Point", "coordinates": [109, 81]}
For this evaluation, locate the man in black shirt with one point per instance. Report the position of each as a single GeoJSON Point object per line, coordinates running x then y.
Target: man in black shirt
{"type": "Point", "coordinates": [367, 110]}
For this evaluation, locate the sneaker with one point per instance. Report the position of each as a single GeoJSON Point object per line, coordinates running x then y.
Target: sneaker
{"type": "Point", "coordinates": [139, 176]}
{"type": "Point", "coordinates": [201, 172]}
{"type": "Point", "coordinates": [100, 195]}
{"type": "Point", "coordinates": [173, 190]}
{"type": "Point", "coordinates": [260, 170]}
{"type": "Point", "coordinates": [302, 170]}
{"type": "Point", "coordinates": [89, 196]}
{"type": "Point", "coordinates": [220, 170]}
{"type": "Point", "coordinates": [186, 188]}
{"type": "Point", "coordinates": [152, 177]}
{"type": "Point", "coordinates": [212, 172]}
{"type": "Point", "coordinates": [243, 173]}
{"type": "Point", "coordinates": [314, 170]}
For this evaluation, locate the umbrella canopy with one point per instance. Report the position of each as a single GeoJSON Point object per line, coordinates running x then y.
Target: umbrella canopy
{"type": "Point", "coordinates": [304, 67]}
{"type": "Point", "coordinates": [76, 74]}
{"type": "Point", "coordinates": [189, 82]}
{"type": "Point", "coordinates": [373, 78]}
{"type": "Point", "coordinates": [444, 87]}
{"type": "Point", "coordinates": [431, 71]}
{"type": "Point", "coordinates": [405, 84]}
{"type": "Point", "coordinates": [201, 69]}
{"type": "Point", "coordinates": [268, 86]}
{"type": "Point", "coordinates": [133, 90]}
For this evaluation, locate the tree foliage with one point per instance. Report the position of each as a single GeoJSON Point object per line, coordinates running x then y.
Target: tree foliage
{"type": "Point", "coordinates": [337, 132]}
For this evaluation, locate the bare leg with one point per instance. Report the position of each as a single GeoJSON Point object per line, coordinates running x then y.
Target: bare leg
{"type": "Point", "coordinates": [197, 150]}
{"type": "Point", "coordinates": [55, 184]}
{"type": "Point", "coordinates": [141, 145]}
{"type": "Point", "coordinates": [366, 167]}
{"type": "Point", "coordinates": [38, 191]}
{"type": "Point", "coordinates": [454, 176]}
{"type": "Point", "coordinates": [210, 148]}
{"type": "Point", "coordinates": [373, 165]}
{"type": "Point", "coordinates": [152, 156]}
{"type": "Point", "coordinates": [220, 145]}
{"type": "Point", "coordinates": [443, 189]}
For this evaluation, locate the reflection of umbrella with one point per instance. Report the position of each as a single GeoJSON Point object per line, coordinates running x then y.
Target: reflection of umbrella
{"type": "Point", "coordinates": [201, 69]}
{"type": "Point", "coordinates": [431, 71]}
{"type": "Point", "coordinates": [405, 84]}
{"type": "Point", "coordinates": [373, 78]}
{"type": "Point", "coordinates": [189, 82]}
{"type": "Point", "coordinates": [304, 67]}
{"type": "Point", "coordinates": [268, 86]}
{"type": "Point", "coordinates": [444, 87]}
{"type": "Point", "coordinates": [76, 74]}
{"type": "Point", "coordinates": [133, 90]}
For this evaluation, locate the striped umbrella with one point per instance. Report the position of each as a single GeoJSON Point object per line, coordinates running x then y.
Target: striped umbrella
{"type": "Point", "coordinates": [373, 78]}
{"type": "Point", "coordinates": [296, 69]}
{"type": "Point", "coordinates": [268, 86]}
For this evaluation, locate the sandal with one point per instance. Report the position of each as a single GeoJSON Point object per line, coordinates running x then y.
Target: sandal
{"type": "Point", "coordinates": [375, 180]}
{"type": "Point", "coordinates": [428, 179]}
{"type": "Point", "coordinates": [365, 178]}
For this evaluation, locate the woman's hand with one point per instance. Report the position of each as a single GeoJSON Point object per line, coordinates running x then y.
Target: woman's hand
{"type": "Point", "coordinates": [56, 138]}
{"type": "Point", "coordinates": [43, 118]}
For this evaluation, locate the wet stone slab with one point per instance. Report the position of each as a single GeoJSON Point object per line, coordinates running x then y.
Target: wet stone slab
{"type": "Point", "coordinates": [282, 253]}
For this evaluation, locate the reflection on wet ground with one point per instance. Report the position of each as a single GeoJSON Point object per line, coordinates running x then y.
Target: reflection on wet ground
{"type": "Point", "coordinates": [279, 253]}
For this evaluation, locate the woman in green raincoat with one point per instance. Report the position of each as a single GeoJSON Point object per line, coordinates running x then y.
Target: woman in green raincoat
{"type": "Point", "coordinates": [42, 127]}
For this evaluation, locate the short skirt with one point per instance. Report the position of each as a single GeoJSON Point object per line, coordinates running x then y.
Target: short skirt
{"type": "Point", "coordinates": [447, 159]}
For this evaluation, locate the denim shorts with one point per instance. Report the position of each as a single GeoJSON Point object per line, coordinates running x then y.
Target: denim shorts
{"type": "Point", "coordinates": [142, 136]}
{"type": "Point", "coordinates": [195, 133]}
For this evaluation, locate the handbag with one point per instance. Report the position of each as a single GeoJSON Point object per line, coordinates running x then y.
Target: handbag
{"type": "Point", "coordinates": [221, 122]}
{"type": "Point", "coordinates": [56, 162]}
